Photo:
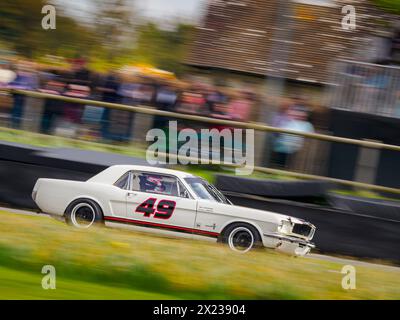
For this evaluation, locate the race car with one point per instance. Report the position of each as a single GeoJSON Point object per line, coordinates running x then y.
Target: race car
{"type": "Point", "coordinates": [170, 202]}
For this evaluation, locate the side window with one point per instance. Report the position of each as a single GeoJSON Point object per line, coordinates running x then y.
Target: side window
{"type": "Point", "coordinates": [123, 182]}
{"type": "Point", "coordinates": [154, 183]}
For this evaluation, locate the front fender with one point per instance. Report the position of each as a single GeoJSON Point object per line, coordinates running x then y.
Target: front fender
{"type": "Point", "coordinates": [252, 223]}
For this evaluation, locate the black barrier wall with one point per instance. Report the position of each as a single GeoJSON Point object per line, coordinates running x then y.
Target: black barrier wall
{"type": "Point", "coordinates": [355, 125]}
{"type": "Point", "coordinates": [18, 179]}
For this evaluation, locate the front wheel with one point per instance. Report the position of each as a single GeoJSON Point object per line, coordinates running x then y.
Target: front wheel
{"type": "Point", "coordinates": [241, 237]}
{"type": "Point", "coordinates": [83, 214]}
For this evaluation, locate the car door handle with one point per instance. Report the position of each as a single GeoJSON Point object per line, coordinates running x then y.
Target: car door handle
{"type": "Point", "coordinates": [131, 194]}
{"type": "Point", "coordinates": [206, 209]}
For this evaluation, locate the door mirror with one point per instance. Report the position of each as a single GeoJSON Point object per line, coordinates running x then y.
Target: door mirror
{"type": "Point", "coordinates": [184, 193]}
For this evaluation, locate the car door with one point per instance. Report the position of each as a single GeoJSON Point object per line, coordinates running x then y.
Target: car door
{"type": "Point", "coordinates": [159, 201]}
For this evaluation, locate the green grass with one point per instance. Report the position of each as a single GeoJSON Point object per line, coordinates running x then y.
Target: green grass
{"type": "Point", "coordinates": [49, 141]}
{"type": "Point", "coordinates": [118, 264]}
{"type": "Point", "coordinates": [364, 194]}
{"type": "Point", "coordinates": [27, 285]}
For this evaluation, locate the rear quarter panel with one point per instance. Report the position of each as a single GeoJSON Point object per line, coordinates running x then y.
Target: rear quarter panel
{"type": "Point", "coordinates": [53, 196]}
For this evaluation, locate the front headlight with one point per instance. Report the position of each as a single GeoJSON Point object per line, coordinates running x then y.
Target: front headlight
{"type": "Point", "coordinates": [285, 227]}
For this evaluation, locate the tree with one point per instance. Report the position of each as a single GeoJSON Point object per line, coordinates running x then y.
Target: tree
{"type": "Point", "coordinates": [21, 28]}
{"type": "Point", "coordinates": [111, 37]}
{"type": "Point", "coordinates": [389, 5]}
{"type": "Point", "coordinates": [20, 24]}
{"type": "Point", "coordinates": [114, 26]}
{"type": "Point", "coordinates": [164, 49]}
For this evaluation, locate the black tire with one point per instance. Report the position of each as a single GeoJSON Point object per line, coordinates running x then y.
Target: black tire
{"type": "Point", "coordinates": [241, 237]}
{"type": "Point", "coordinates": [83, 214]}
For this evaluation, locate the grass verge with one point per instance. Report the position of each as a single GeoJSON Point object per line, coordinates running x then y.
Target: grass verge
{"type": "Point", "coordinates": [118, 264]}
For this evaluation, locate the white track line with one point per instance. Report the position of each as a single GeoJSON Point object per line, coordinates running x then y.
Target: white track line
{"type": "Point", "coordinates": [355, 263]}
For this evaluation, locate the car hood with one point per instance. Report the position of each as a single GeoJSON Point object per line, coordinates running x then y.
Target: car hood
{"type": "Point", "coordinates": [245, 213]}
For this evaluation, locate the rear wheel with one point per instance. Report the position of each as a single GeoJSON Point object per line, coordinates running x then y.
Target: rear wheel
{"type": "Point", "coordinates": [241, 237]}
{"type": "Point", "coordinates": [83, 214]}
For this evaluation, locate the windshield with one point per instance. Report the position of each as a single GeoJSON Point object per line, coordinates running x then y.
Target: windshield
{"type": "Point", "coordinates": [205, 190]}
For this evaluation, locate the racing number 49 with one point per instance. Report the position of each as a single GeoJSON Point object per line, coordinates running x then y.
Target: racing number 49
{"type": "Point", "coordinates": [163, 210]}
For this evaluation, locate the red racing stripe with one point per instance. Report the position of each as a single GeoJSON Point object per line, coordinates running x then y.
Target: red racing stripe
{"type": "Point", "coordinates": [163, 226]}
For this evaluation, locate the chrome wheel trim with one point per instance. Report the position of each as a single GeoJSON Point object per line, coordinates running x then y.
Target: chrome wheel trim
{"type": "Point", "coordinates": [234, 233]}
{"type": "Point", "coordinates": [75, 211]}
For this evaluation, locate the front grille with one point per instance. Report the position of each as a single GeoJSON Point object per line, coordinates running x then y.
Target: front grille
{"type": "Point", "coordinates": [302, 229]}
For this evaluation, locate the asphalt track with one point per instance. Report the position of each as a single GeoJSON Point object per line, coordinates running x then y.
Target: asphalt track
{"type": "Point", "coordinates": [339, 260]}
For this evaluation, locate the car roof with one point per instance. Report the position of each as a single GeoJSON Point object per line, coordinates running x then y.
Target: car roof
{"type": "Point", "coordinates": [178, 173]}
{"type": "Point", "coordinates": [113, 173]}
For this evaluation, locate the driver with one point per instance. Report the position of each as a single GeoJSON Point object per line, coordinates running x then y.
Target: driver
{"type": "Point", "coordinates": [153, 183]}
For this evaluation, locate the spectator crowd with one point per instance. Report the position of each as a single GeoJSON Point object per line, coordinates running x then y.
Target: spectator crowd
{"type": "Point", "coordinates": [129, 88]}
{"type": "Point", "coordinates": [188, 97]}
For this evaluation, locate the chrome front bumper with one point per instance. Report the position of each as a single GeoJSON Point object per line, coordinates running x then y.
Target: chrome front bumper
{"type": "Point", "coordinates": [290, 245]}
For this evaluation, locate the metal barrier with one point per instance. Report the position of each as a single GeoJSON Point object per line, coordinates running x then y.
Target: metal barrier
{"type": "Point", "coordinates": [251, 125]}
{"type": "Point", "coordinates": [230, 123]}
{"type": "Point", "coordinates": [366, 87]}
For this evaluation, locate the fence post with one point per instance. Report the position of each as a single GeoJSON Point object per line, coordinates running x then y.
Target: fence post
{"type": "Point", "coordinates": [142, 123]}
{"type": "Point", "coordinates": [32, 114]}
{"type": "Point", "coordinates": [367, 164]}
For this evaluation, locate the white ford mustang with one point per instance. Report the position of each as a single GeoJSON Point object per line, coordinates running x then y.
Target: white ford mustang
{"type": "Point", "coordinates": [169, 201]}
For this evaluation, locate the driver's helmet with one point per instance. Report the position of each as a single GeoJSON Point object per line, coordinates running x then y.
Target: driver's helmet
{"type": "Point", "coordinates": [154, 183]}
